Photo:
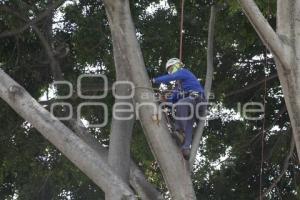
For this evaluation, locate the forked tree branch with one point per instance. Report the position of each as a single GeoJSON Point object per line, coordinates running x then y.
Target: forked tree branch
{"type": "Point", "coordinates": [137, 179]}
{"type": "Point", "coordinates": [266, 32]}
{"type": "Point", "coordinates": [73, 147]}
{"type": "Point", "coordinates": [170, 159]}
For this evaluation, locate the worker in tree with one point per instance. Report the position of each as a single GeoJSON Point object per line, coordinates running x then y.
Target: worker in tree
{"type": "Point", "coordinates": [187, 94]}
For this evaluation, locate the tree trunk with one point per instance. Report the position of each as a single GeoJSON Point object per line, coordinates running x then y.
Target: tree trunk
{"type": "Point", "coordinates": [145, 190]}
{"type": "Point", "coordinates": [288, 29]}
{"type": "Point", "coordinates": [285, 46]}
{"type": "Point", "coordinates": [171, 162]}
{"type": "Point", "coordinates": [74, 148]}
{"type": "Point", "coordinates": [136, 178]}
{"type": "Point", "coordinates": [121, 132]}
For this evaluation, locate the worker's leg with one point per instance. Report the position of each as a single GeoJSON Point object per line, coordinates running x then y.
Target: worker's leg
{"type": "Point", "coordinates": [185, 119]}
{"type": "Point", "coordinates": [201, 107]}
{"type": "Point", "coordinates": [188, 134]}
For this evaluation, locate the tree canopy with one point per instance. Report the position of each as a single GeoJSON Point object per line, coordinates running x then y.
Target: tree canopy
{"type": "Point", "coordinates": [229, 162]}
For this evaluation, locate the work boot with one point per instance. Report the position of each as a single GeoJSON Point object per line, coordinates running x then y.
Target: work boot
{"type": "Point", "coordinates": [179, 137]}
{"type": "Point", "coordinates": [186, 153]}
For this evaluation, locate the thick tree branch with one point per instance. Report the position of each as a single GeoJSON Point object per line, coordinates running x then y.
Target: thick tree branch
{"type": "Point", "coordinates": [116, 163]}
{"type": "Point", "coordinates": [208, 83]}
{"type": "Point", "coordinates": [287, 27]}
{"type": "Point", "coordinates": [120, 135]}
{"type": "Point", "coordinates": [169, 157]}
{"type": "Point", "coordinates": [136, 177]}
{"type": "Point", "coordinates": [75, 149]}
{"type": "Point", "coordinates": [144, 189]}
{"type": "Point", "coordinates": [137, 180]}
{"type": "Point", "coordinates": [266, 32]}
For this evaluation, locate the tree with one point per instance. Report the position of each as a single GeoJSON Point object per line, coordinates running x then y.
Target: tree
{"type": "Point", "coordinates": [57, 74]}
{"type": "Point", "coordinates": [165, 151]}
{"type": "Point", "coordinates": [281, 45]}
{"type": "Point", "coordinates": [229, 165]}
{"type": "Point", "coordinates": [208, 82]}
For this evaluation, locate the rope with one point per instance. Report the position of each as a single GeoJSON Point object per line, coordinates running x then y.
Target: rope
{"type": "Point", "coordinates": [263, 132]}
{"type": "Point", "coordinates": [151, 88]}
{"type": "Point", "coordinates": [147, 88]}
{"type": "Point", "coordinates": [181, 30]}
{"type": "Point", "coordinates": [264, 120]}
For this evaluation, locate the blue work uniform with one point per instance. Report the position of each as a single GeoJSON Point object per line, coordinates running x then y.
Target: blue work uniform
{"type": "Point", "coordinates": [188, 83]}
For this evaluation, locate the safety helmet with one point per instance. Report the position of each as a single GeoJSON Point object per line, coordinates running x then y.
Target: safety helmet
{"type": "Point", "coordinates": [173, 61]}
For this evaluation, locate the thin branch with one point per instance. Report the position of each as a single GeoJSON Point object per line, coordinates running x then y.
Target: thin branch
{"type": "Point", "coordinates": [252, 85]}
{"type": "Point", "coordinates": [31, 22]}
{"type": "Point", "coordinates": [56, 70]}
{"type": "Point", "coordinates": [268, 153]}
{"type": "Point", "coordinates": [45, 182]}
{"type": "Point", "coordinates": [278, 115]}
{"type": "Point", "coordinates": [266, 32]}
{"type": "Point", "coordinates": [285, 167]}
{"type": "Point", "coordinates": [208, 83]}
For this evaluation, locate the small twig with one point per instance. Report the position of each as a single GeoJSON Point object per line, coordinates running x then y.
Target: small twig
{"type": "Point", "coordinates": [285, 167]}
{"type": "Point", "coordinates": [29, 23]}
{"type": "Point", "coordinates": [56, 70]}
{"type": "Point", "coordinates": [252, 85]}
{"type": "Point", "coordinates": [45, 182]}
{"type": "Point", "coordinates": [278, 115]}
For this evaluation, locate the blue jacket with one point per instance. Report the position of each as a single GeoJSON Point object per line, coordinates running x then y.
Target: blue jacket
{"type": "Point", "coordinates": [188, 81]}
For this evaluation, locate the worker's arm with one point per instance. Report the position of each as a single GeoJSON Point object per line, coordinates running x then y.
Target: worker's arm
{"type": "Point", "coordinates": [179, 75]}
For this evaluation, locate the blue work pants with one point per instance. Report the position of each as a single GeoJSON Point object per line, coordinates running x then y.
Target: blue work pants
{"type": "Point", "coordinates": [186, 117]}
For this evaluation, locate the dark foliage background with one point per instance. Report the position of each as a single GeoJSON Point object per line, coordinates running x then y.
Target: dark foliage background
{"type": "Point", "coordinates": [229, 161]}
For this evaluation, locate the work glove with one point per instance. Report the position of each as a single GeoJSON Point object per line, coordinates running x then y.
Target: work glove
{"type": "Point", "coordinates": [152, 81]}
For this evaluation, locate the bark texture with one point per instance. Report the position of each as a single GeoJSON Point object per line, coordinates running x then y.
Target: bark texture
{"type": "Point", "coordinates": [284, 44]}
{"type": "Point", "coordinates": [74, 148]}
{"type": "Point", "coordinates": [171, 162]}
{"type": "Point", "coordinates": [121, 132]}
{"type": "Point", "coordinates": [208, 82]}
